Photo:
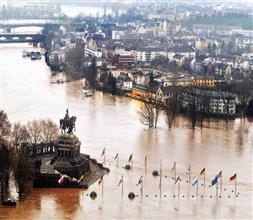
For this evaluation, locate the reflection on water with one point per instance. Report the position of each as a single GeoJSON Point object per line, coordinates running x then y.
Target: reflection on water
{"type": "Point", "coordinates": [113, 122]}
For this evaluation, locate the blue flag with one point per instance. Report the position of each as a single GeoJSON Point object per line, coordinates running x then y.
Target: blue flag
{"type": "Point", "coordinates": [195, 182]}
{"type": "Point", "coordinates": [215, 180]}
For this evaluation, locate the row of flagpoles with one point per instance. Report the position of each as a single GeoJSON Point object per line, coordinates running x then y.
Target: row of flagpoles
{"type": "Point", "coordinates": [177, 179]}
{"type": "Point", "coordinates": [130, 159]}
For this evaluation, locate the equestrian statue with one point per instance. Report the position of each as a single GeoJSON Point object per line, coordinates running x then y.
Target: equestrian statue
{"type": "Point", "coordinates": [68, 123]}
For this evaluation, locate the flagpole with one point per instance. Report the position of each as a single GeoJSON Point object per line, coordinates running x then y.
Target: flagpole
{"type": "Point", "coordinates": [235, 186]}
{"type": "Point", "coordinates": [175, 172]}
{"type": "Point", "coordinates": [220, 184]}
{"type": "Point", "coordinates": [102, 185]}
{"type": "Point", "coordinates": [160, 184]}
{"type": "Point", "coordinates": [189, 174]}
{"type": "Point", "coordinates": [141, 189]}
{"type": "Point", "coordinates": [122, 186]}
{"type": "Point", "coordinates": [145, 164]}
{"type": "Point", "coordinates": [178, 192]}
{"type": "Point", "coordinates": [204, 179]}
{"type": "Point", "coordinates": [217, 189]}
{"type": "Point", "coordinates": [132, 164]}
{"type": "Point", "coordinates": [197, 190]}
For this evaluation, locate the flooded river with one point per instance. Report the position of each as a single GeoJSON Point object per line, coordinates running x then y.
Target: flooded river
{"type": "Point", "coordinates": [113, 122]}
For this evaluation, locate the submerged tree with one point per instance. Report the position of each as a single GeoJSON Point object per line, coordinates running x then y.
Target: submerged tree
{"type": "Point", "coordinates": [192, 111]}
{"type": "Point", "coordinates": [108, 81]}
{"type": "Point", "coordinates": [23, 171]}
{"type": "Point", "coordinates": [5, 126]}
{"type": "Point", "coordinates": [149, 114]}
{"type": "Point", "coordinates": [172, 109]}
{"type": "Point", "coordinates": [91, 74]}
{"type": "Point", "coordinates": [6, 164]}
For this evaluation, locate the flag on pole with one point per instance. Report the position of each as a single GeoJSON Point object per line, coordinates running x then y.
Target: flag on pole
{"type": "Point", "coordinates": [61, 180]}
{"type": "Point", "coordinates": [140, 181]}
{"type": "Point", "coordinates": [130, 158]}
{"type": "Point", "coordinates": [215, 180]}
{"type": "Point", "coordinates": [116, 156]}
{"type": "Point", "coordinates": [232, 178]}
{"type": "Point", "coordinates": [219, 174]}
{"type": "Point", "coordinates": [202, 172]}
{"type": "Point", "coordinates": [121, 181]}
{"type": "Point", "coordinates": [189, 168]}
{"type": "Point", "coordinates": [100, 180]}
{"type": "Point", "coordinates": [174, 167]}
{"type": "Point", "coordinates": [195, 182]}
{"type": "Point", "coordinates": [103, 152]}
{"type": "Point", "coordinates": [178, 179]}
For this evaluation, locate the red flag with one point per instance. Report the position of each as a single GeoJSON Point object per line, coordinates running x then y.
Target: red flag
{"type": "Point", "coordinates": [121, 181]}
{"type": "Point", "coordinates": [130, 158]}
{"type": "Point", "coordinates": [140, 181]}
{"type": "Point", "coordinates": [233, 177]}
{"type": "Point", "coordinates": [61, 180]}
{"type": "Point", "coordinates": [100, 181]}
{"type": "Point", "coordinates": [178, 179]}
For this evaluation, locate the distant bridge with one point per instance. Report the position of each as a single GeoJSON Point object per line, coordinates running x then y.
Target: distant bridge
{"type": "Point", "coordinates": [20, 38]}
{"type": "Point", "coordinates": [17, 25]}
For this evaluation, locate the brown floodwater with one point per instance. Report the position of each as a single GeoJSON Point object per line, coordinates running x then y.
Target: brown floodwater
{"type": "Point", "coordinates": [113, 122]}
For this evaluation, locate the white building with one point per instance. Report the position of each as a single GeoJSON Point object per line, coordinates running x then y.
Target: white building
{"type": "Point", "coordinates": [89, 52]}
{"type": "Point", "coordinates": [124, 82]}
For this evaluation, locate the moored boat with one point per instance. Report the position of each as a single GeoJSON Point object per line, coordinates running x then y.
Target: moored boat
{"type": "Point", "coordinates": [88, 92]}
{"type": "Point", "coordinates": [25, 53]}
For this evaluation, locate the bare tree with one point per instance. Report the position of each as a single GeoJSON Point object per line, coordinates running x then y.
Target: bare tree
{"type": "Point", "coordinates": [172, 108]}
{"type": "Point", "coordinates": [193, 112]}
{"type": "Point", "coordinates": [34, 130]}
{"type": "Point", "coordinates": [19, 134]}
{"type": "Point", "coordinates": [6, 162]}
{"type": "Point", "coordinates": [5, 126]}
{"type": "Point", "coordinates": [23, 171]}
{"type": "Point", "coordinates": [147, 114]}
{"type": "Point", "coordinates": [156, 115]}
{"type": "Point", "coordinates": [49, 130]}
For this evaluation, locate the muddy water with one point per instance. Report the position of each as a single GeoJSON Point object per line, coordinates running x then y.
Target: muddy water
{"type": "Point", "coordinates": [113, 122]}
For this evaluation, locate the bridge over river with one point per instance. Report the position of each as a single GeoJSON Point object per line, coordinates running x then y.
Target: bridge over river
{"type": "Point", "coordinates": [21, 38]}
{"type": "Point", "coordinates": [8, 36]}
{"type": "Point", "coordinates": [51, 24]}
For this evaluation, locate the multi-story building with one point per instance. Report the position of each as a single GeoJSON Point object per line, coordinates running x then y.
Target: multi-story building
{"type": "Point", "coordinates": [185, 81]}
{"type": "Point", "coordinates": [124, 82]}
{"type": "Point", "coordinates": [210, 101]}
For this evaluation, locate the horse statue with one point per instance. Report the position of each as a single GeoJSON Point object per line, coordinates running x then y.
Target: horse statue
{"type": "Point", "coordinates": [68, 123]}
